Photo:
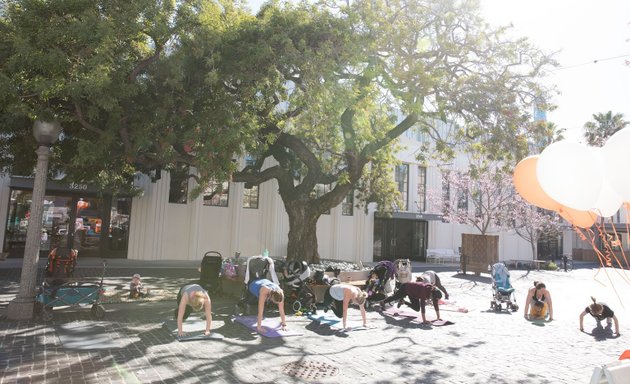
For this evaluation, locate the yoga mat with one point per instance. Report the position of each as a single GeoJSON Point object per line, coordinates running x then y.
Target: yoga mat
{"type": "Point", "coordinates": [272, 325]}
{"type": "Point", "coordinates": [201, 336]}
{"type": "Point", "coordinates": [451, 306]}
{"type": "Point", "coordinates": [325, 319]}
{"type": "Point", "coordinates": [87, 335]}
{"type": "Point", "coordinates": [439, 323]}
{"type": "Point", "coordinates": [402, 312]}
{"type": "Point", "coordinates": [194, 329]}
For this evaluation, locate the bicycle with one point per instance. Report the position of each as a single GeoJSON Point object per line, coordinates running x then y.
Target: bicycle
{"type": "Point", "coordinates": [566, 264]}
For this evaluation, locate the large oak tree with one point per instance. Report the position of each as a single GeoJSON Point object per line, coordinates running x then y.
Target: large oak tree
{"type": "Point", "coordinates": [346, 79]}
{"type": "Point", "coordinates": [316, 94]}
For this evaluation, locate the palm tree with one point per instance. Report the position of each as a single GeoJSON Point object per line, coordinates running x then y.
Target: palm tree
{"type": "Point", "coordinates": [604, 125]}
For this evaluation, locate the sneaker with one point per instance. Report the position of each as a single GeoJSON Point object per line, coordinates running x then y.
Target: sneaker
{"type": "Point", "coordinates": [400, 303]}
{"type": "Point", "coordinates": [325, 309]}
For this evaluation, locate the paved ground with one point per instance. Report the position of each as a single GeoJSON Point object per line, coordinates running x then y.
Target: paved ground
{"type": "Point", "coordinates": [481, 347]}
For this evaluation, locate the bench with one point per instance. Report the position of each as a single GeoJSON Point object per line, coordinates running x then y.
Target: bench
{"type": "Point", "coordinates": [442, 256]}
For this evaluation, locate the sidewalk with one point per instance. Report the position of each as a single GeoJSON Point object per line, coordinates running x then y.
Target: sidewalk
{"type": "Point", "coordinates": [482, 346]}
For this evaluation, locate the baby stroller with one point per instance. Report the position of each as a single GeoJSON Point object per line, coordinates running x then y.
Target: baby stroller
{"type": "Point", "coordinates": [502, 289]}
{"type": "Point", "coordinates": [211, 266]}
{"type": "Point", "coordinates": [258, 267]}
{"type": "Point", "coordinates": [403, 271]}
{"type": "Point", "coordinates": [298, 295]}
{"type": "Point", "coordinates": [381, 282]}
{"type": "Point", "coordinates": [60, 265]}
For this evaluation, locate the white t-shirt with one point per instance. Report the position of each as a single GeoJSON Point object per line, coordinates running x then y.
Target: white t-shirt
{"type": "Point", "coordinates": [337, 291]}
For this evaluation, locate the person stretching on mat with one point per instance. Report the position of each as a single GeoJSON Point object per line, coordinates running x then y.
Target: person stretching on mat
{"type": "Point", "coordinates": [600, 311]}
{"type": "Point", "coordinates": [265, 290]}
{"type": "Point", "coordinates": [339, 297]}
{"type": "Point", "coordinates": [539, 298]}
{"type": "Point", "coordinates": [191, 298]}
{"type": "Point", "coordinates": [417, 292]}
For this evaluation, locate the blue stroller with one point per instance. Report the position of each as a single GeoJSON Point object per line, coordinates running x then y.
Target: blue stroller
{"type": "Point", "coordinates": [502, 289]}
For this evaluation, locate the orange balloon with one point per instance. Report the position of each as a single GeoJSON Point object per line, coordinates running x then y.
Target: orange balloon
{"type": "Point", "coordinates": [581, 219]}
{"type": "Point", "coordinates": [526, 184]}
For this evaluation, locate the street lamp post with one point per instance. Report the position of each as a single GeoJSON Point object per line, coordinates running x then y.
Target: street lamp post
{"type": "Point", "coordinates": [21, 308]}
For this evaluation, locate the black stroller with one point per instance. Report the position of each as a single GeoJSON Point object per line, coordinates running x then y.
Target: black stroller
{"type": "Point", "coordinates": [381, 282]}
{"type": "Point", "coordinates": [211, 266]}
{"type": "Point", "coordinates": [298, 294]}
{"type": "Point", "coordinates": [258, 267]}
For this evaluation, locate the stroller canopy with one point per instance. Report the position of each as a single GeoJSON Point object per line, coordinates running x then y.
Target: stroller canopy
{"type": "Point", "coordinates": [501, 276]}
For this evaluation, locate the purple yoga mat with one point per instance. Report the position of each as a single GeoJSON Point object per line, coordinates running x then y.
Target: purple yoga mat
{"type": "Point", "coordinates": [272, 325]}
{"type": "Point", "coordinates": [402, 312]}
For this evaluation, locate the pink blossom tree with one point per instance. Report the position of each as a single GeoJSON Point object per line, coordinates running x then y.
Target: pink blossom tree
{"type": "Point", "coordinates": [532, 223]}
{"type": "Point", "coordinates": [482, 199]}
{"type": "Point", "coordinates": [485, 198]}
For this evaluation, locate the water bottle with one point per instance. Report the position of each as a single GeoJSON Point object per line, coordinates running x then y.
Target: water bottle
{"type": "Point", "coordinates": [265, 253]}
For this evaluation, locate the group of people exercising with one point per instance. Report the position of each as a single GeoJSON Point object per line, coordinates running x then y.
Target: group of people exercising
{"type": "Point", "coordinates": [539, 306]}
{"type": "Point", "coordinates": [338, 297]}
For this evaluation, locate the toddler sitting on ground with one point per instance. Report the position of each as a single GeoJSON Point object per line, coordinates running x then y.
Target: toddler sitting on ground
{"type": "Point", "coordinates": [136, 289]}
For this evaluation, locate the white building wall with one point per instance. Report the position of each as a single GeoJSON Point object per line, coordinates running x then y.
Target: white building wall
{"type": "Point", "coordinates": [161, 230]}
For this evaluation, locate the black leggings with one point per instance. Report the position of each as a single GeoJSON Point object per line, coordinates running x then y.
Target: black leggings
{"type": "Point", "coordinates": [337, 305]}
{"type": "Point", "coordinates": [415, 303]}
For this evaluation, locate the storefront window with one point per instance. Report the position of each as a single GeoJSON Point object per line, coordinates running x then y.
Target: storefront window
{"type": "Point", "coordinates": [71, 221]}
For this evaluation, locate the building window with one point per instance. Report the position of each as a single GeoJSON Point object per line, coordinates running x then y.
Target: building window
{"type": "Point", "coordinates": [347, 206]}
{"type": "Point", "coordinates": [178, 191]}
{"type": "Point", "coordinates": [462, 199]}
{"type": "Point", "coordinates": [446, 191]}
{"type": "Point", "coordinates": [422, 189]}
{"type": "Point", "coordinates": [478, 205]}
{"type": "Point", "coordinates": [321, 190]}
{"type": "Point", "coordinates": [402, 182]}
{"type": "Point", "coordinates": [250, 197]}
{"type": "Point", "coordinates": [216, 195]}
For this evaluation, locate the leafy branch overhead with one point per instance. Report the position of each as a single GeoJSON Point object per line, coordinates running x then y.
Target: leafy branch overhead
{"type": "Point", "coordinates": [314, 94]}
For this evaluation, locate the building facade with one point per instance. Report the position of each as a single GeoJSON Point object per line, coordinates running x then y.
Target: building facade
{"type": "Point", "coordinates": [164, 223]}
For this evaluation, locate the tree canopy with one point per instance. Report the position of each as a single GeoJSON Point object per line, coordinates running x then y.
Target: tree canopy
{"type": "Point", "coordinates": [603, 125]}
{"type": "Point", "coordinates": [133, 83]}
{"type": "Point", "coordinates": [381, 68]}
{"type": "Point", "coordinates": [315, 94]}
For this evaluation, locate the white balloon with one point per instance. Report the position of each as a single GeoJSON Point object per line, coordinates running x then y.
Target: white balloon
{"type": "Point", "coordinates": [609, 200]}
{"type": "Point", "coordinates": [569, 173]}
{"type": "Point", "coordinates": [617, 158]}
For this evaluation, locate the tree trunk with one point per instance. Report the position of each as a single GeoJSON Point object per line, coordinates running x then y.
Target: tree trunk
{"type": "Point", "coordinates": [533, 244]}
{"type": "Point", "coordinates": [302, 233]}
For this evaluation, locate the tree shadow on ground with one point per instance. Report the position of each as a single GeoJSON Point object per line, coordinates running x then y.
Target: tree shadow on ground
{"type": "Point", "coordinates": [473, 278]}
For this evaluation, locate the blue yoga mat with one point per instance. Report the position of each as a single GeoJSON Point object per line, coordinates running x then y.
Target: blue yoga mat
{"type": "Point", "coordinates": [325, 319]}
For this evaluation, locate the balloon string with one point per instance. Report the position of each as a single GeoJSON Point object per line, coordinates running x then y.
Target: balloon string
{"type": "Point", "coordinates": [608, 246]}
{"type": "Point", "coordinates": [602, 258]}
{"type": "Point", "coordinates": [620, 244]}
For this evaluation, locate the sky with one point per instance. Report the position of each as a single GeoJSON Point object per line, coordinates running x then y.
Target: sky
{"type": "Point", "coordinates": [592, 41]}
